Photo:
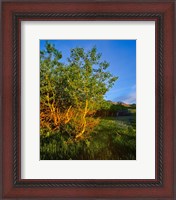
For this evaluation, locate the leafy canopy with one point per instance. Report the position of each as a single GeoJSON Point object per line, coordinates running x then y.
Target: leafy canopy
{"type": "Point", "coordinates": [77, 86]}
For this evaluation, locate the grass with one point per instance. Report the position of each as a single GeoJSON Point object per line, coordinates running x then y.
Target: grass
{"type": "Point", "coordinates": [113, 139]}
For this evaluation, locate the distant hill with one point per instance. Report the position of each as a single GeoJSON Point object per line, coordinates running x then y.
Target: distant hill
{"type": "Point", "coordinates": [122, 103]}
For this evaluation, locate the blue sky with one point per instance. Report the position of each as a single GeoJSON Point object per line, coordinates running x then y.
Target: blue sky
{"type": "Point", "coordinates": [121, 54]}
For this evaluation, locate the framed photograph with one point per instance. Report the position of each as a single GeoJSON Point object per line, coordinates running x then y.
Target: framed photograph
{"type": "Point", "coordinates": [88, 100]}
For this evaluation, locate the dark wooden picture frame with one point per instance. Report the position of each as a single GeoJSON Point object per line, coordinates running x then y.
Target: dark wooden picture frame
{"type": "Point", "coordinates": [162, 187]}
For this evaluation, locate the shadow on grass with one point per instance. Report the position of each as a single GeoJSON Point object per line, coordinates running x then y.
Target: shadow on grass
{"type": "Point", "coordinates": [112, 139]}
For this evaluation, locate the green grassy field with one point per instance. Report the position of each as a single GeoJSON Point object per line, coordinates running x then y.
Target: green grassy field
{"type": "Point", "coordinates": [113, 139]}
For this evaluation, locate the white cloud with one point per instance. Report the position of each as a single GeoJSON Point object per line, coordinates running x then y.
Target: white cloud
{"type": "Point", "coordinates": [131, 98]}
{"type": "Point", "coordinates": [128, 98]}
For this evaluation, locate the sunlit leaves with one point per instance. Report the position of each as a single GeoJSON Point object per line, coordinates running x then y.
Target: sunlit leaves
{"type": "Point", "coordinates": [71, 93]}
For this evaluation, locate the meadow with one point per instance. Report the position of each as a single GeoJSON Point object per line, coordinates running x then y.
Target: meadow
{"type": "Point", "coordinates": [113, 139]}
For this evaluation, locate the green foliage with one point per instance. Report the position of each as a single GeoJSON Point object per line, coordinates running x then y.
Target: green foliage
{"type": "Point", "coordinates": [72, 92]}
{"type": "Point", "coordinates": [83, 77]}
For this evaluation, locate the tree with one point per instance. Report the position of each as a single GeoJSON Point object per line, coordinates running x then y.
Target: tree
{"type": "Point", "coordinates": [71, 93]}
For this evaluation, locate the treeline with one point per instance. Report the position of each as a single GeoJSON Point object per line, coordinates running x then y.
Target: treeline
{"type": "Point", "coordinates": [111, 109]}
